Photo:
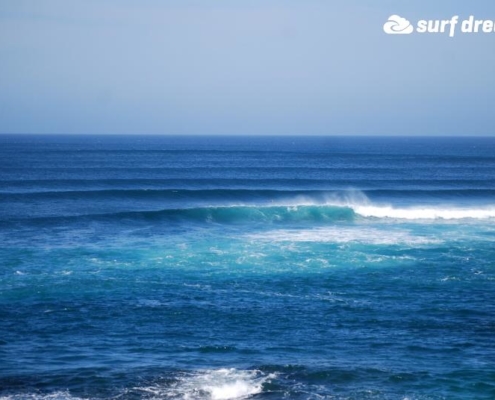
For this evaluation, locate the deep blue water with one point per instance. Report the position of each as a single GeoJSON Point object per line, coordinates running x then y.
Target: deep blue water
{"type": "Point", "coordinates": [232, 268]}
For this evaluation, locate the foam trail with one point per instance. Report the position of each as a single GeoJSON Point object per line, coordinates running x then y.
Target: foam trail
{"type": "Point", "coordinates": [38, 396]}
{"type": "Point", "coordinates": [341, 234]}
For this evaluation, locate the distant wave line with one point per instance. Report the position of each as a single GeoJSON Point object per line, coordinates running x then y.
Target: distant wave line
{"type": "Point", "coordinates": [238, 194]}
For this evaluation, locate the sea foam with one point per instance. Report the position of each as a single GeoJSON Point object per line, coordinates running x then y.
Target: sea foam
{"type": "Point", "coordinates": [425, 213]}
{"type": "Point", "coordinates": [59, 395]}
{"type": "Point", "coordinates": [340, 234]}
{"type": "Point", "coordinates": [219, 384]}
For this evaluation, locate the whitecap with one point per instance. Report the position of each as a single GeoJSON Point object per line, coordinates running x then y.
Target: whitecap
{"type": "Point", "coordinates": [425, 213]}
{"type": "Point", "coordinates": [219, 384]}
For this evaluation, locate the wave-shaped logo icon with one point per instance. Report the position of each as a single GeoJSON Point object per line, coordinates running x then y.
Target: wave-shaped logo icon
{"type": "Point", "coordinates": [397, 26]}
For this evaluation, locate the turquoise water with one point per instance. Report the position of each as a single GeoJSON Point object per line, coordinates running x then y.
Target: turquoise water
{"type": "Point", "coordinates": [239, 268]}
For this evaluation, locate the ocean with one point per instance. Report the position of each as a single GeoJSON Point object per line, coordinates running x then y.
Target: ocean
{"type": "Point", "coordinates": [166, 267]}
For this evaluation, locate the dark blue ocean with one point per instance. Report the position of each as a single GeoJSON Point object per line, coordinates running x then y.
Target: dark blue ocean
{"type": "Point", "coordinates": [141, 267]}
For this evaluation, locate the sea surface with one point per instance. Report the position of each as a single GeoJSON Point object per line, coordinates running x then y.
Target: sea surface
{"type": "Point", "coordinates": [144, 267]}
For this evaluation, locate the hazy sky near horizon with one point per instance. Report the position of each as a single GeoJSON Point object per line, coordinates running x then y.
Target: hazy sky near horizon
{"type": "Point", "coordinates": [243, 67]}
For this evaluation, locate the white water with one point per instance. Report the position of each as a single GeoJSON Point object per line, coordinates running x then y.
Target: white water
{"type": "Point", "coordinates": [220, 384]}
{"type": "Point", "coordinates": [340, 234]}
{"type": "Point", "coordinates": [60, 395]}
{"type": "Point", "coordinates": [425, 213]}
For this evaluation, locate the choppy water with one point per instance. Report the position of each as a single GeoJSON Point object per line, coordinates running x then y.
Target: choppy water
{"type": "Point", "coordinates": [232, 268]}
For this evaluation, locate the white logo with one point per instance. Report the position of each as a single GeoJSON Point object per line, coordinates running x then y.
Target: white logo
{"type": "Point", "coordinates": [397, 26]}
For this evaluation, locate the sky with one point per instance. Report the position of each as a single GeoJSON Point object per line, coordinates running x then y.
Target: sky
{"type": "Point", "coordinates": [243, 67]}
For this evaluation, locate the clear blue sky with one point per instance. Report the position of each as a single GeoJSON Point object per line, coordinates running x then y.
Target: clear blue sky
{"type": "Point", "coordinates": [242, 67]}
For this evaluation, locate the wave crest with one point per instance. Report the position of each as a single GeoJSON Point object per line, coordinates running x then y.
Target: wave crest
{"type": "Point", "coordinates": [324, 208]}
{"type": "Point", "coordinates": [425, 213]}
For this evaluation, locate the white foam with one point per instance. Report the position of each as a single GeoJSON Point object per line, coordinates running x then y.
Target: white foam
{"type": "Point", "coordinates": [424, 213]}
{"type": "Point", "coordinates": [220, 384]}
{"type": "Point", "coordinates": [38, 396]}
{"type": "Point", "coordinates": [361, 205]}
{"type": "Point", "coordinates": [339, 234]}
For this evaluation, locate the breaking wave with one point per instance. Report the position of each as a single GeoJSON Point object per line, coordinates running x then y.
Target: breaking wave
{"type": "Point", "coordinates": [220, 384]}
{"type": "Point", "coordinates": [425, 213]}
{"type": "Point", "coordinates": [312, 208]}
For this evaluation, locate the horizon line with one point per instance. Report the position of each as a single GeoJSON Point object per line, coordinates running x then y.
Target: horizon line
{"type": "Point", "coordinates": [422, 135]}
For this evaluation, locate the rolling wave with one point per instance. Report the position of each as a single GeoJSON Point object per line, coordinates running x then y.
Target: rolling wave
{"type": "Point", "coordinates": [327, 214]}
{"type": "Point", "coordinates": [211, 215]}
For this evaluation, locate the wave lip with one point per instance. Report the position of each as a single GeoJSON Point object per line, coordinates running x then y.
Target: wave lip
{"type": "Point", "coordinates": [246, 213]}
{"type": "Point", "coordinates": [424, 213]}
{"type": "Point", "coordinates": [232, 214]}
